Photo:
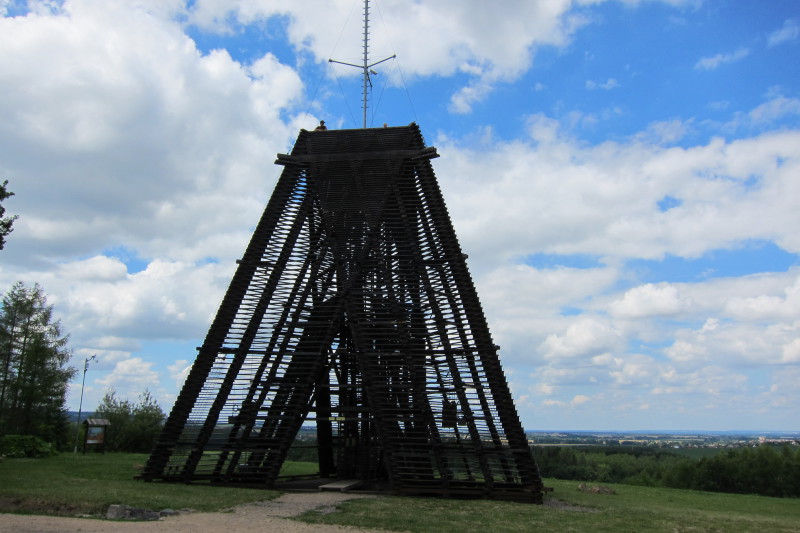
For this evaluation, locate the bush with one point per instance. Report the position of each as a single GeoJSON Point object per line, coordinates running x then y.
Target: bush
{"type": "Point", "coordinates": [17, 446]}
{"type": "Point", "coordinates": [134, 426]}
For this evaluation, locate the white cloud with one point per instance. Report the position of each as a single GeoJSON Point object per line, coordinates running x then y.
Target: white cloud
{"type": "Point", "coordinates": [664, 132]}
{"type": "Point", "coordinates": [131, 128]}
{"type": "Point", "coordinates": [790, 353]}
{"type": "Point", "coordinates": [179, 370]}
{"type": "Point", "coordinates": [790, 31]}
{"type": "Point", "coordinates": [713, 62]}
{"type": "Point", "coordinates": [463, 100]}
{"type": "Point", "coordinates": [130, 377]}
{"type": "Point", "coordinates": [634, 370]}
{"type": "Point", "coordinates": [650, 300]}
{"type": "Point", "coordinates": [709, 382]}
{"type": "Point", "coordinates": [97, 268]}
{"type": "Point", "coordinates": [784, 391]}
{"type": "Point", "coordinates": [739, 344]}
{"type": "Point", "coordinates": [774, 109]}
{"type": "Point", "coordinates": [603, 199]}
{"type": "Point", "coordinates": [579, 399]}
{"type": "Point", "coordinates": [783, 305]}
{"type": "Point", "coordinates": [430, 38]}
{"type": "Point", "coordinates": [554, 195]}
{"type": "Point", "coordinates": [683, 352]}
{"type": "Point", "coordinates": [524, 304]}
{"type": "Point", "coordinates": [583, 338]}
{"type": "Point", "coordinates": [542, 389]}
{"type": "Point", "coordinates": [162, 301]}
{"type": "Point", "coordinates": [115, 130]}
{"type": "Point", "coordinates": [607, 85]}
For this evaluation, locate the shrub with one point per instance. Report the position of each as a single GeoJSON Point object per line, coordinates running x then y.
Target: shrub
{"type": "Point", "coordinates": [16, 446]}
{"type": "Point", "coordinates": [134, 426]}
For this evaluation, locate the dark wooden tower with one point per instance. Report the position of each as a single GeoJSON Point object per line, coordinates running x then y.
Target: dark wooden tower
{"type": "Point", "coordinates": [353, 308]}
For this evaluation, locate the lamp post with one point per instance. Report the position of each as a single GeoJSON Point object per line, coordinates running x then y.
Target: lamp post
{"type": "Point", "coordinates": [80, 405]}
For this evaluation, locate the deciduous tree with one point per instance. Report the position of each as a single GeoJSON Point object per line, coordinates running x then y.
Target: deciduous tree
{"type": "Point", "coordinates": [134, 426]}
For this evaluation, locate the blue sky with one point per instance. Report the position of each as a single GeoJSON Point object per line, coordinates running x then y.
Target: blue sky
{"type": "Point", "coordinates": [622, 173]}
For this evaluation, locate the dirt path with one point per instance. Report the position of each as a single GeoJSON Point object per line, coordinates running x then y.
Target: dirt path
{"type": "Point", "coordinates": [269, 516]}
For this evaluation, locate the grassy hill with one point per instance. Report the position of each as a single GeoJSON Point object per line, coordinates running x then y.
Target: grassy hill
{"type": "Point", "coordinates": [76, 484]}
{"type": "Point", "coordinates": [630, 509]}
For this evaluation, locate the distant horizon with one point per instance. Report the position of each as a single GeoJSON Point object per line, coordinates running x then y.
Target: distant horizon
{"type": "Point", "coordinates": [670, 431]}
{"type": "Point", "coordinates": [73, 414]}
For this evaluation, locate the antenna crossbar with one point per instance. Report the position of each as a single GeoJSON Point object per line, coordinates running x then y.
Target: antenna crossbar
{"type": "Point", "coordinates": [366, 65]}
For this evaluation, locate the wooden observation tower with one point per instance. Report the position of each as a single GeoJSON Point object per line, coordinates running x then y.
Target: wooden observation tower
{"type": "Point", "coordinates": [353, 309]}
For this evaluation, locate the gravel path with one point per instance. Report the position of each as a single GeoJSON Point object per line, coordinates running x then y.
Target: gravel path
{"type": "Point", "coordinates": [272, 516]}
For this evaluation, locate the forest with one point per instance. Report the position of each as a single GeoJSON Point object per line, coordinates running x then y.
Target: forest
{"type": "Point", "coordinates": [767, 470]}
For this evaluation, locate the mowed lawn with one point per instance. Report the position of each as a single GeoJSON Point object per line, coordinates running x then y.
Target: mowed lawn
{"type": "Point", "coordinates": [71, 484]}
{"type": "Point", "coordinates": [631, 509]}
{"type": "Point", "coordinates": [76, 484]}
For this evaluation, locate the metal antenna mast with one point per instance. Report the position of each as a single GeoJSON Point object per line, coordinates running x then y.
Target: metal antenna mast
{"type": "Point", "coordinates": [366, 66]}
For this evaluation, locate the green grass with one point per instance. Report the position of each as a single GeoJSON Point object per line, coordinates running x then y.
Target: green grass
{"type": "Point", "coordinates": [71, 484]}
{"type": "Point", "coordinates": [299, 468]}
{"type": "Point", "coordinates": [86, 484]}
{"type": "Point", "coordinates": [631, 509]}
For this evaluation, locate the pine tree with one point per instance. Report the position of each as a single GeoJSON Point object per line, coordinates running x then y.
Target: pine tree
{"type": "Point", "coordinates": [5, 222]}
{"type": "Point", "coordinates": [33, 372]}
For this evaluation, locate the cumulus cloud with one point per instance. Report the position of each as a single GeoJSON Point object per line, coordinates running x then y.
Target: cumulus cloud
{"type": "Point", "coordinates": [790, 352]}
{"type": "Point", "coordinates": [583, 338]}
{"type": "Point", "coordinates": [649, 300]}
{"type": "Point", "coordinates": [710, 383]}
{"type": "Point", "coordinates": [120, 142]}
{"type": "Point", "coordinates": [130, 375]}
{"type": "Point", "coordinates": [430, 38]}
{"type": "Point", "coordinates": [132, 140]}
{"type": "Point", "coordinates": [139, 306]}
{"type": "Point", "coordinates": [116, 131]}
{"type": "Point", "coordinates": [781, 302]}
{"type": "Point", "coordinates": [577, 329]}
{"type": "Point", "coordinates": [524, 303]}
{"type": "Point", "coordinates": [739, 343]}
{"type": "Point", "coordinates": [634, 370]}
{"type": "Point", "coordinates": [613, 190]}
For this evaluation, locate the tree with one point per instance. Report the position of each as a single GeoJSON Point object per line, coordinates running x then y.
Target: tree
{"type": "Point", "coordinates": [118, 413]}
{"type": "Point", "coordinates": [5, 222]}
{"type": "Point", "coordinates": [134, 426]}
{"type": "Point", "coordinates": [148, 419]}
{"type": "Point", "coordinates": [33, 372]}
